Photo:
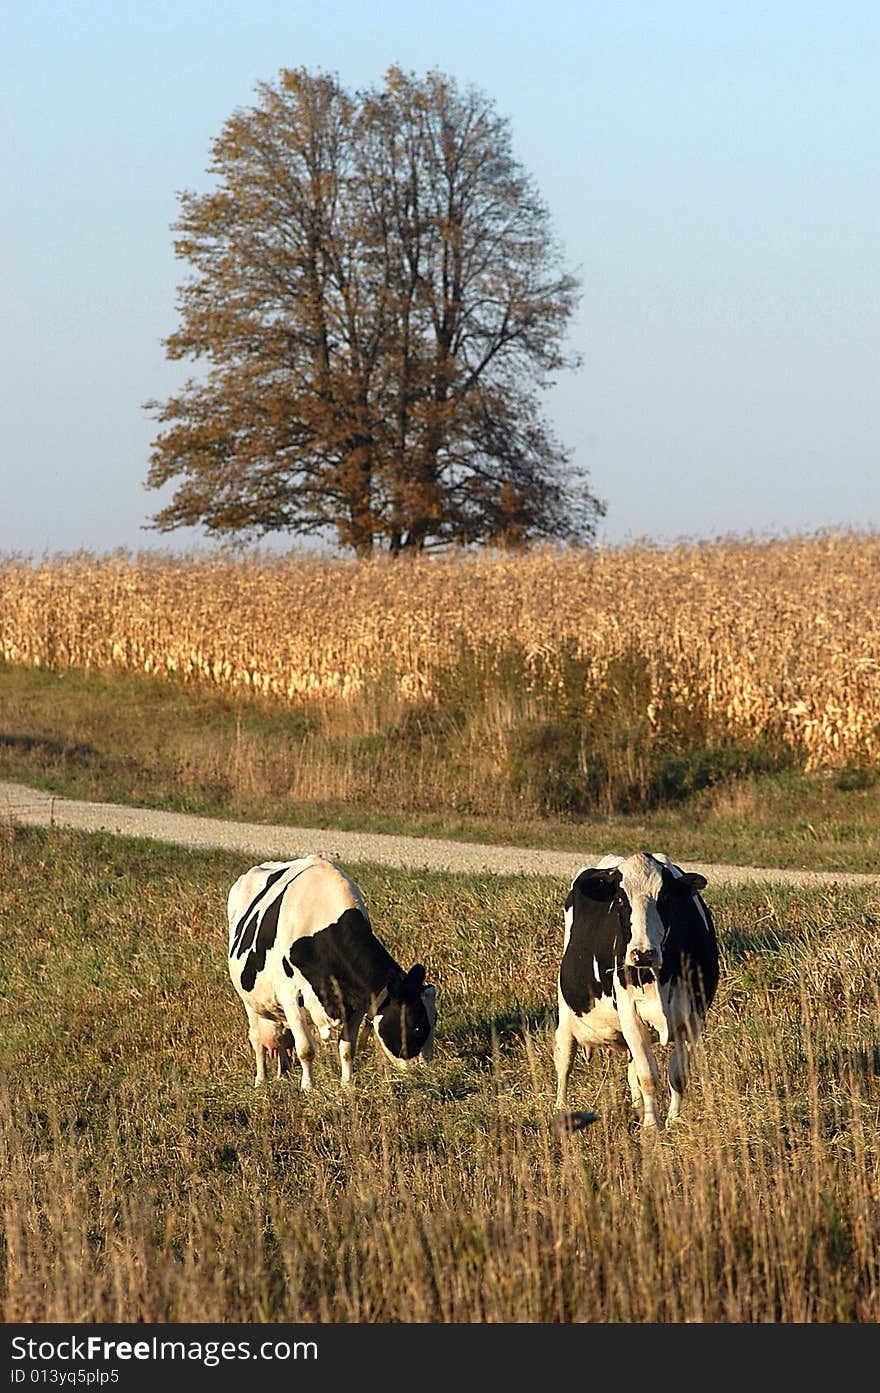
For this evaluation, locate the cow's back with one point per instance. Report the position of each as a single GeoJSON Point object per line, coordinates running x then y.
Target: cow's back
{"type": "Point", "coordinates": [310, 893]}
{"type": "Point", "coordinates": [274, 904]}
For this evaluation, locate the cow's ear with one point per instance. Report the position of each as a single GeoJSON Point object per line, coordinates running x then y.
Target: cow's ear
{"type": "Point", "coordinates": [414, 980]}
{"type": "Point", "coordinates": [599, 884]}
{"type": "Point", "coordinates": [691, 883]}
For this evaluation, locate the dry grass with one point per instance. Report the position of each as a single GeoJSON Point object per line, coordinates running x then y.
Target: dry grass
{"type": "Point", "coordinates": [143, 1178]}
{"type": "Point", "coordinates": [777, 639]}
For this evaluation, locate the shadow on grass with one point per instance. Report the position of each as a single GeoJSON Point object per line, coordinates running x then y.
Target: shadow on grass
{"type": "Point", "coordinates": [42, 745]}
{"type": "Point", "coordinates": [478, 1041]}
{"type": "Point", "coordinates": [740, 945]}
{"type": "Point", "coordinates": [861, 1063]}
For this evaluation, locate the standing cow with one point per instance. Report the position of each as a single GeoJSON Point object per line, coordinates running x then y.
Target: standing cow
{"type": "Point", "coordinates": [639, 953]}
{"type": "Point", "coordinates": [303, 958]}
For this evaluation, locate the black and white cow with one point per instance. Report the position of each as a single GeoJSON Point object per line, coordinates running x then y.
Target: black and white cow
{"type": "Point", "coordinates": [639, 953]}
{"type": "Point", "coordinates": [303, 958]}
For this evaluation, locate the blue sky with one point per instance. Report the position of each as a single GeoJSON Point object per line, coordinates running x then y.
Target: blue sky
{"type": "Point", "coordinates": [711, 169]}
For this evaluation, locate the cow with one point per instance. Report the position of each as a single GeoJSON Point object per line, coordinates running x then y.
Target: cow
{"type": "Point", "coordinates": [304, 960]}
{"type": "Point", "coordinates": [639, 952]}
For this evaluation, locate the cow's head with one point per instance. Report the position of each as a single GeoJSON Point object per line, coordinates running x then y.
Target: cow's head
{"type": "Point", "coordinates": [632, 891]}
{"type": "Point", "coordinates": [404, 1016]}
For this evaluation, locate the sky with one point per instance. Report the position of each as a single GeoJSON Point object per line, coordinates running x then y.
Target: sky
{"type": "Point", "coordinates": [711, 170]}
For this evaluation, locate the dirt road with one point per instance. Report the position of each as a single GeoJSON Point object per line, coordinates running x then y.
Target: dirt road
{"type": "Point", "coordinates": [261, 841]}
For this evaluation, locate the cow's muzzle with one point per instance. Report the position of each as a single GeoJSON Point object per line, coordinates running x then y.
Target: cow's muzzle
{"type": "Point", "coordinates": [643, 957]}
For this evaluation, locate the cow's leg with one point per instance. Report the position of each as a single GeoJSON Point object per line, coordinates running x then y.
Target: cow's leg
{"type": "Point", "coordinates": [643, 1066]}
{"type": "Point", "coordinates": [365, 1030]}
{"type": "Point", "coordinates": [679, 1069]}
{"type": "Point", "coordinates": [680, 1066]}
{"type": "Point", "coordinates": [285, 1051]}
{"type": "Point", "coordinates": [348, 1041]}
{"type": "Point", "coordinates": [256, 1042]}
{"type": "Point", "coordinates": [564, 1050]}
{"type": "Point", "coordinates": [303, 1041]}
{"type": "Point", "coordinates": [635, 1091]}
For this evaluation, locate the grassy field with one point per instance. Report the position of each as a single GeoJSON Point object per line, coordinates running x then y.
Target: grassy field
{"type": "Point", "coordinates": [143, 1178]}
{"type": "Point", "coordinates": [126, 738]}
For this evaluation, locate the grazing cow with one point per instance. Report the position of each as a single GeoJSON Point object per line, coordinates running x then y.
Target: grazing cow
{"type": "Point", "coordinates": [639, 951]}
{"type": "Point", "coordinates": [303, 958]}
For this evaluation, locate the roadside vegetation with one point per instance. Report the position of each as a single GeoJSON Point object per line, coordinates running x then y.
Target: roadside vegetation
{"type": "Point", "coordinates": [122, 737]}
{"type": "Point", "coordinates": [143, 1178]}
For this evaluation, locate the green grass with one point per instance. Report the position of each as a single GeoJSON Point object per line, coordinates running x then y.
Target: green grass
{"type": "Point", "coordinates": [144, 1179]}
{"type": "Point", "coordinates": [122, 738]}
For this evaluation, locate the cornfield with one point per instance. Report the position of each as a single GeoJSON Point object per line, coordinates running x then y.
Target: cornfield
{"type": "Point", "coordinates": [777, 638]}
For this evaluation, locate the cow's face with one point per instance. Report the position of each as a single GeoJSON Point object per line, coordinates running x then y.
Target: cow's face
{"type": "Point", "coordinates": [640, 885]}
{"type": "Point", "coordinates": [405, 1020]}
{"type": "Point", "coordinates": [637, 892]}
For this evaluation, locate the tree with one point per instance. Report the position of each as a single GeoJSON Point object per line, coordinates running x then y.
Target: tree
{"type": "Point", "coordinates": [377, 299]}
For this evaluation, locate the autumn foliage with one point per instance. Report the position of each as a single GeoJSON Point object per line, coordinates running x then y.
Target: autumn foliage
{"type": "Point", "coordinates": [374, 303]}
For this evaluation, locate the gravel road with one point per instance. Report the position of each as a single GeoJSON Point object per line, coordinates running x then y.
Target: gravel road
{"type": "Point", "coordinates": [264, 841]}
